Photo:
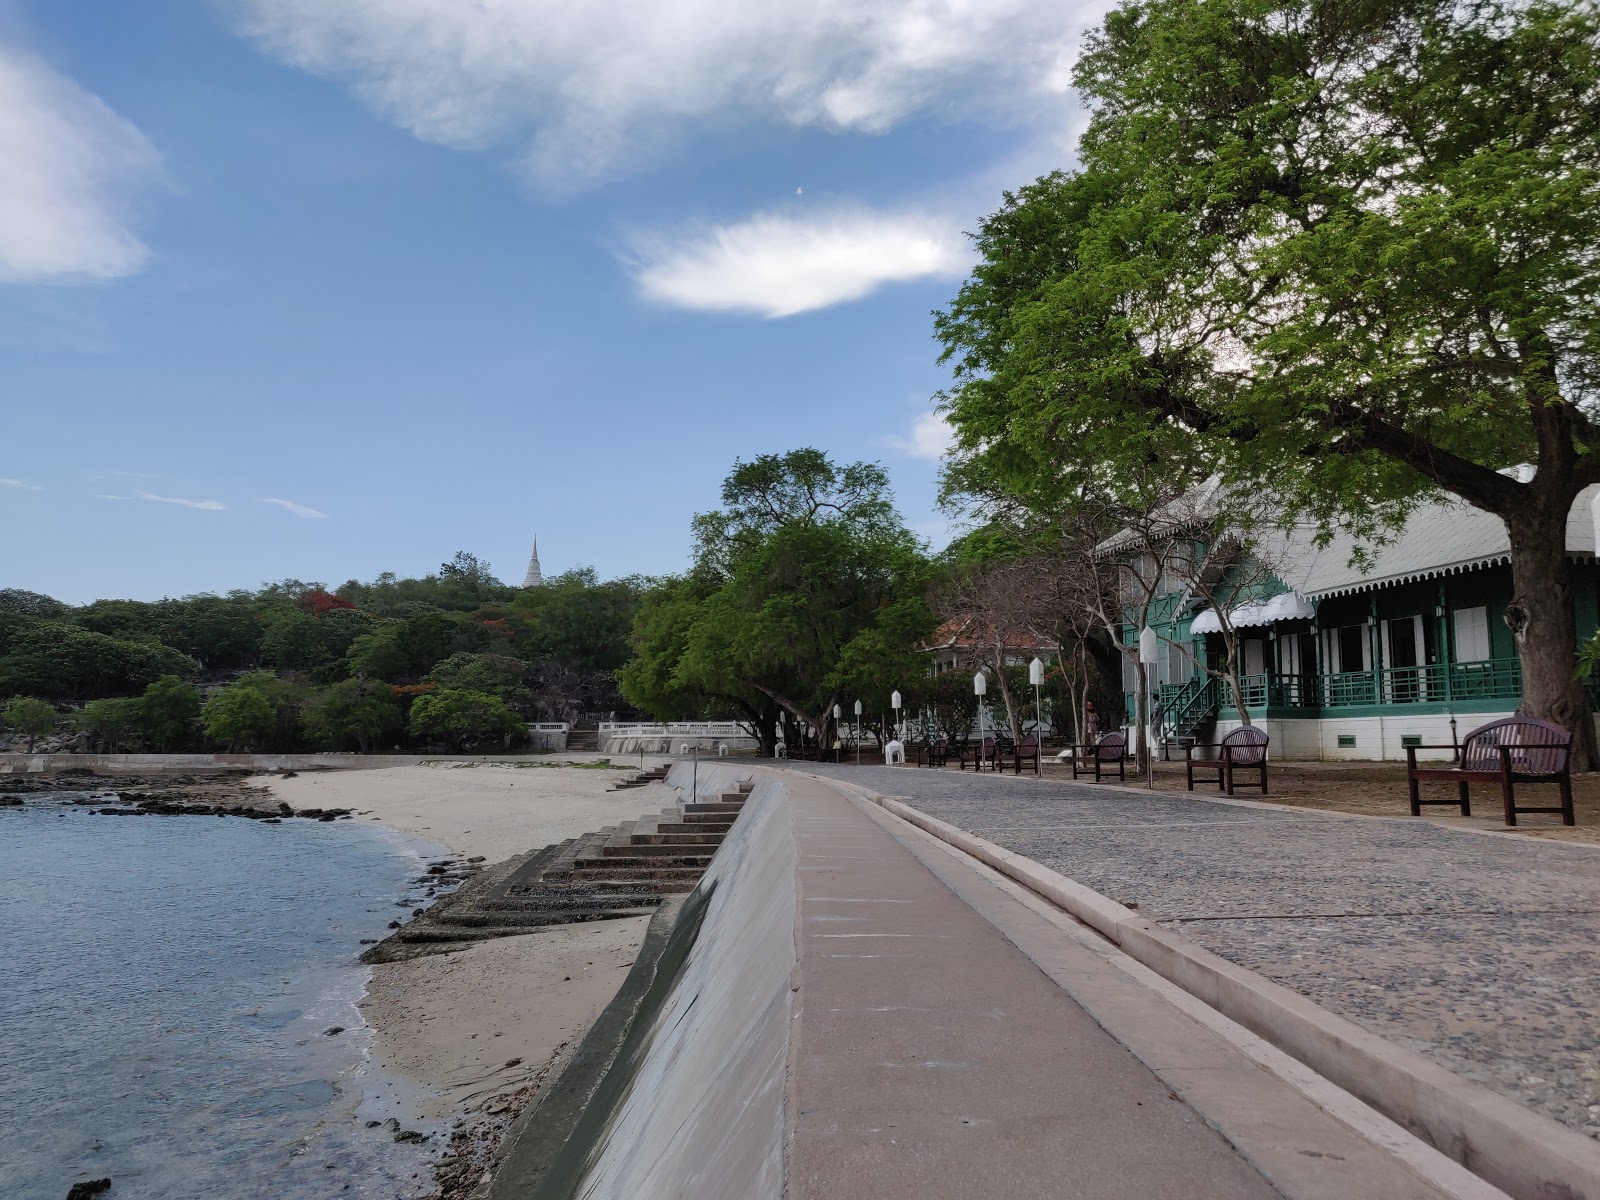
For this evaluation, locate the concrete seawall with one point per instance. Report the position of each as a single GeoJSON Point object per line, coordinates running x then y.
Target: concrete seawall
{"type": "Point", "coordinates": [692, 1106]}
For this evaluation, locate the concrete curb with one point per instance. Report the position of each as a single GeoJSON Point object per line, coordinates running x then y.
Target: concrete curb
{"type": "Point", "coordinates": [1530, 1156]}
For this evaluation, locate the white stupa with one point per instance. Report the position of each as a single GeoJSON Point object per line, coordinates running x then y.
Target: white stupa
{"type": "Point", "coordinates": [534, 577]}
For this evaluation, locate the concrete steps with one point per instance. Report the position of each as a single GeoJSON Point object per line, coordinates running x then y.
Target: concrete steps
{"type": "Point", "coordinates": [617, 871]}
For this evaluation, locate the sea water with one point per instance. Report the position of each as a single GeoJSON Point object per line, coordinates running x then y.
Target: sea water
{"type": "Point", "coordinates": [166, 987]}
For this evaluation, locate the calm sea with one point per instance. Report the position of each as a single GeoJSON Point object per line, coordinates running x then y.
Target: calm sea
{"type": "Point", "coordinates": [165, 984]}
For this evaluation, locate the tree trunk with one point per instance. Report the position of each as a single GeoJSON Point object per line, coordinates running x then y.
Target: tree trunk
{"type": "Point", "coordinates": [1231, 674]}
{"type": "Point", "coordinates": [1541, 619]}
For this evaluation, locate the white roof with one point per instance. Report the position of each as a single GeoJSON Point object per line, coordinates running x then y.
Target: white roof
{"type": "Point", "coordinates": [1442, 538]}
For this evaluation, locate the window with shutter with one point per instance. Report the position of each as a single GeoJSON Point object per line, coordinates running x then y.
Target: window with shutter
{"type": "Point", "coordinates": [1472, 634]}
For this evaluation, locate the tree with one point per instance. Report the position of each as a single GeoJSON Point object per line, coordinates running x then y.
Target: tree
{"type": "Point", "coordinates": [404, 651]}
{"type": "Point", "coordinates": [355, 712]}
{"type": "Point", "coordinates": [169, 713]}
{"type": "Point", "coordinates": [30, 604]}
{"type": "Point", "coordinates": [460, 718]}
{"type": "Point", "coordinates": [33, 719]}
{"type": "Point", "coordinates": [238, 716]}
{"type": "Point", "coordinates": [112, 724]}
{"type": "Point", "coordinates": [64, 663]}
{"type": "Point", "coordinates": [298, 641]}
{"type": "Point", "coordinates": [1345, 253]}
{"type": "Point", "coordinates": [810, 593]}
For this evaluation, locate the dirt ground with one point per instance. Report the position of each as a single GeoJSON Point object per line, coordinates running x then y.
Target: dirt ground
{"type": "Point", "coordinates": [1379, 789]}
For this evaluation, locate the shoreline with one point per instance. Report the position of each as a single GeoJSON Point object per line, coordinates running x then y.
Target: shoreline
{"type": "Point", "coordinates": [478, 1031]}
{"type": "Point", "coordinates": [455, 1044]}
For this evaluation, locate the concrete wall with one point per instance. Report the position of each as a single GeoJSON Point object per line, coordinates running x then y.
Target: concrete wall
{"type": "Point", "coordinates": [1376, 738]}
{"type": "Point", "coordinates": [703, 1118]}
{"type": "Point", "coordinates": [623, 744]}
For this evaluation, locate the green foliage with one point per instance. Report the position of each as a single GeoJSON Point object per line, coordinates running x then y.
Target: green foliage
{"type": "Point", "coordinates": [298, 641]}
{"type": "Point", "coordinates": [404, 651]}
{"type": "Point", "coordinates": [113, 725]}
{"type": "Point", "coordinates": [356, 714]}
{"type": "Point", "coordinates": [493, 674]}
{"type": "Point", "coordinates": [329, 658]}
{"type": "Point", "coordinates": [30, 717]}
{"type": "Point", "coordinates": [578, 619]}
{"type": "Point", "coordinates": [1344, 254]}
{"type": "Point", "coordinates": [239, 717]}
{"type": "Point", "coordinates": [30, 604]}
{"type": "Point", "coordinates": [807, 591]}
{"type": "Point", "coordinates": [170, 712]}
{"type": "Point", "coordinates": [461, 719]}
{"type": "Point", "coordinates": [67, 664]}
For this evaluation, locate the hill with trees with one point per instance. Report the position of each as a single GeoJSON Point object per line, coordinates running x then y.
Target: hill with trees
{"type": "Point", "coordinates": [454, 658]}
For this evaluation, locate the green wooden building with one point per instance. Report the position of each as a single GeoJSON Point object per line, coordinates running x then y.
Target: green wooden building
{"type": "Point", "coordinates": [1340, 660]}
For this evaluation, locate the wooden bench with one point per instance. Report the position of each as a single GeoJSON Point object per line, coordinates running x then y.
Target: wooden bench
{"type": "Point", "coordinates": [1026, 749]}
{"type": "Point", "coordinates": [1108, 748]}
{"type": "Point", "coordinates": [933, 754]}
{"type": "Point", "coordinates": [1245, 749]}
{"type": "Point", "coordinates": [1508, 752]}
{"type": "Point", "coordinates": [986, 751]}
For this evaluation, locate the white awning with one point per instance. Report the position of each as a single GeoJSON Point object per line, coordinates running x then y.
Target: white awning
{"type": "Point", "coordinates": [1286, 606]}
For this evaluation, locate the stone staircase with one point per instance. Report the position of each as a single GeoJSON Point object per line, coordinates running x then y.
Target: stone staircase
{"type": "Point", "coordinates": [620, 871]}
{"type": "Point", "coordinates": [654, 775]}
{"type": "Point", "coordinates": [585, 735]}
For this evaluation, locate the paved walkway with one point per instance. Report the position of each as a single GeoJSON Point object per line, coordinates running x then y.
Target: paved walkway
{"type": "Point", "coordinates": [939, 1052]}
{"type": "Point", "coordinates": [1481, 952]}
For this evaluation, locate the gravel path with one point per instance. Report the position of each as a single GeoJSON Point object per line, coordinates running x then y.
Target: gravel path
{"type": "Point", "coordinates": [1479, 951]}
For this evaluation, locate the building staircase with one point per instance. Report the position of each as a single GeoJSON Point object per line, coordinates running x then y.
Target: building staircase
{"type": "Point", "coordinates": [620, 871]}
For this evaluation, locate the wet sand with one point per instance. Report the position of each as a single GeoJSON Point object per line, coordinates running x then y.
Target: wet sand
{"type": "Point", "coordinates": [483, 1028]}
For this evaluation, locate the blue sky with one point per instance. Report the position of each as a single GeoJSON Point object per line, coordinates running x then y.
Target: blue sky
{"type": "Point", "coordinates": [323, 288]}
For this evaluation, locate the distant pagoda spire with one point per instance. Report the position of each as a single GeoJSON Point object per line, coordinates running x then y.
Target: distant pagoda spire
{"type": "Point", "coordinates": [534, 577]}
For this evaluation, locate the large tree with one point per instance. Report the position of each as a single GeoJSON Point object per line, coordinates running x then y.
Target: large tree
{"type": "Point", "coordinates": [1348, 251]}
{"type": "Point", "coordinates": [807, 591]}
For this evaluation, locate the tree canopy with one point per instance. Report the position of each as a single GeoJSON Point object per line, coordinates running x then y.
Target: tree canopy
{"type": "Point", "coordinates": [807, 590]}
{"type": "Point", "coordinates": [1347, 253]}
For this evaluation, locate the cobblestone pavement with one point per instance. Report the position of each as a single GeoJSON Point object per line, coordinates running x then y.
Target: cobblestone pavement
{"type": "Point", "coordinates": [1481, 952]}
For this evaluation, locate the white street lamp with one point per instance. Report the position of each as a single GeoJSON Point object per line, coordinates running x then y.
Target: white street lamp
{"type": "Point", "coordinates": [894, 703]}
{"type": "Point", "coordinates": [836, 731]}
{"type": "Point", "coordinates": [1149, 648]}
{"type": "Point", "coordinates": [1036, 677]}
{"type": "Point", "coordinates": [980, 685]}
{"type": "Point", "coordinates": [858, 733]}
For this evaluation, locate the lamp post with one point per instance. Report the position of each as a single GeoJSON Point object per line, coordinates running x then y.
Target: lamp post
{"type": "Point", "coordinates": [980, 685]}
{"type": "Point", "coordinates": [1149, 646]}
{"type": "Point", "coordinates": [836, 715]}
{"type": "Point", "coordinates": [1036, 677]}
{"type": "Point", "coordinates": [858, 733]}
{"type": "Point", "coordinates": [894, 703]}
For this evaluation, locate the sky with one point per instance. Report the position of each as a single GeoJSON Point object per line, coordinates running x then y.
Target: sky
{"type": "Point", "coordinates": [318, 289]}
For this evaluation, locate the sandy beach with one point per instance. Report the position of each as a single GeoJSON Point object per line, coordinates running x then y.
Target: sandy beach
{"type": "Point", "coordinates": [482, 1028]}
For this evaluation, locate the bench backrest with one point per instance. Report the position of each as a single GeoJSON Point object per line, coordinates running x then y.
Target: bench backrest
{"type": "Point", "coordinates": [1249, 745]}
{"type": "Point", "coordinates": [986, 747]}
{"type": "Point", "coordinates": [1028, 745]}
{"type": "Point", "coordinates": [1539, 747]}
{"type": "Point", "coordinates": [1111, 747]}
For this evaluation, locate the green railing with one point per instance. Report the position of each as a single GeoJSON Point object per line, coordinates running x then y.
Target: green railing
{"type": "Point", "coordinates": [1436, 683]}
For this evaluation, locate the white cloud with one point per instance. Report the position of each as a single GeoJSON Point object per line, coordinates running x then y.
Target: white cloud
{"type": "Point", "coordinates": [67, 166]}
{"type": "Point", "coordinates": [780, 265]}
{"type": "Point", "coordinates": [585, 89]}
{"type": "Point", "coordinates": [930, 438]}
{"type": "Point", "coordinates": [21, 483]}
{"type": "Point", "coordinates": [299, 510]}
{"type": "Point", "coordinates": [208, 505]}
